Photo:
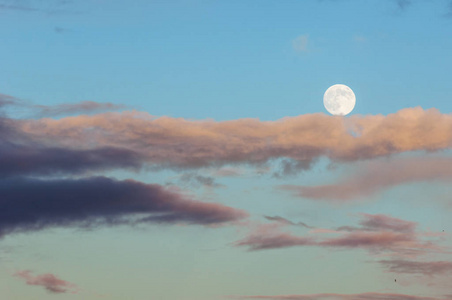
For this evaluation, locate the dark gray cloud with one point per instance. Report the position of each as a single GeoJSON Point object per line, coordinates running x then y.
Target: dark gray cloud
{"type": "Point", "coordinates": [290, 167]}
{"type": "Point", "coordinates": [6, 100]}
{"type": "Point", "coordinates": [197, 180]}
{"type": "Point", "coordinates": [34, 204]}
{"type": "Point", "coordinates": [82, 107]}
{"type": "Point", "coordinates": [17, 160]}
{"type": "Point", "coordinates": [287, 222]}
{"type": "Point", "coordinates": [64, 109]}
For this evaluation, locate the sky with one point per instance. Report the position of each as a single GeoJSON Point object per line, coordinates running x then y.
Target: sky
{"type": "Point", "coordinates": [180, 150]}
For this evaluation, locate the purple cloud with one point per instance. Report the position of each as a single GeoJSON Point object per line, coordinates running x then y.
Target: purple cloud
{"type": "Point", "coordinates": [33, 204]}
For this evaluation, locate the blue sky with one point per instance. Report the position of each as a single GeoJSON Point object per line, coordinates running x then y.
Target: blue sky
{"type": "Point", "coordinates": [227, 60]}
{"type": "Point", "coordinates": [222, 130]}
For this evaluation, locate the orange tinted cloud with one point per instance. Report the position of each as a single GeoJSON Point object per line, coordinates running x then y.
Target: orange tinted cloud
{"type": "Point", "coordinates": [176, 142]}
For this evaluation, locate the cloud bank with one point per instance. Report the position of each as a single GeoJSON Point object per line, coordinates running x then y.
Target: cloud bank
{"type": "Point", "coordinates": [180, 143]}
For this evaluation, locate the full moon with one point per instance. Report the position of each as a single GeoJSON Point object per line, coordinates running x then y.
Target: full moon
{"type": "Point", "coordinates": [339, 100]}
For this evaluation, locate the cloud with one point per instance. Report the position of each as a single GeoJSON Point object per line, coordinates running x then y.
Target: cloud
{"type": "Point", "coordinates": [403, 4]}
{"type": "Point", "coordinates": [132, 140]}
{"type": "Point", "coordinates": [362, 296]}
{"type": "Point", "coordinates": [287, 222]}
{"type": "Point", "coordinates": [17, 8]}
{"type": "Point", "coordinates": [227, 172]}
{"type": "Point", "coordinates": [197, 180]}
{"type": "Point", "coordinates": [427, 268]}
{"type": "Point", "coordinates": [17, 160]}
{"type": "Point", "coordinates": [34, 204]}
{"type": "Point", "coordinates": [47, 7]}
{"type": "Point", "coordinates": [383, 222]}
{"type": "Point", "coordinates": [377, 234]}
{"type": "Point", "coordinates": [50, 282]}
{"type": "Point", "coordinates": [449, 10]}
{"type": "Point", "coordinates": [179, 143]}
{"type": "Point", "coordinates": [374, 177]}
{"type": "Point", "coordinates": [7, 100]}
{"type": "Point", "coordinates": [300, 43]}
{"type": "Point", "coordinates": [290, 167]}
{"type": "Point", "coordinates": [61, 30]}
{"type": "Point", "coordinates": [376, 241]}
{"type": "Point", "coordinates": [21, 155]}
{"type": "Point", "coordinates": [269, 236]}
{"type": "Point", "coordinates": [82, 107]}
{"type": "Point", "coordinates": [40, 111]}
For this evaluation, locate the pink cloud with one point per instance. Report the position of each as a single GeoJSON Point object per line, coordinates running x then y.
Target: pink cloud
{"type": "Point", "coordinates": [428, 268]}
{"type": "Point", "coordinates": [269, 236]}
{"type": "Point", "coordinates": [374, 177]}
{"type": "Point", "coordinates": [362, 296]}
{"type": "Point", "coordinates": [176, 142]}
{"type": "Point", "coordinates": [376, 234]}
{"type": "Point", "coordinates": [49, 281]}
{"type": "Point", "coordinates": [384, 222]}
